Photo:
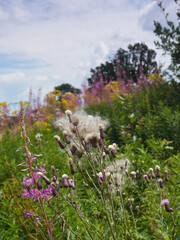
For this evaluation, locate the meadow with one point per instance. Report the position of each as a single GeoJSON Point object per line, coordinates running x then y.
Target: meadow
{"type": "Point", "coordinates": [107, 171]}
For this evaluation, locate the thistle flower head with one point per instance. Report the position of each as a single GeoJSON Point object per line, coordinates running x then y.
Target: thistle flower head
{"type": "Point", "coordinates": [164, 202]}
{"type": "Point", "coordinates": [64, 176]}
{"type": "Point", "coordinates": [57, 138]}
{"type": "Point", "coordinates": [157, 167]}
{"type": "Point", "coordinates": [68, 112]}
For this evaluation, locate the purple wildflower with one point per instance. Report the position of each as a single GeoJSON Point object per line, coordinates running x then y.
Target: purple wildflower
{"type": "Point", "coordinates": [160, 181]}
{"type": "Point", "coordinates": [45, 193]}
{"type": "Point", "coordinates": [27, 214]}
{"type": "Point", "coordinates": [25, 193]}
{"type": "Point", "coordinates": [34, 193]}
{"type": "Point", "coordinates": [41, 169]}
{"type": "Point", "coordinates": [147, 179]}
{"type": "Point", "coordinates": [165, 202]}
{"type": "Point", "coordinates": [27, 182]}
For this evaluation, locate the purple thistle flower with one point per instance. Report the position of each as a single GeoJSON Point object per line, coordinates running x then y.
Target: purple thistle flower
{"type": "Point", "coordinates": [152, 173]}
{"type": "Point", "coordinates": [160, 181]}
{"type": "Point", "coordinates": [147, 179]}
{"type": "Point", "coordinates": [165, 202]}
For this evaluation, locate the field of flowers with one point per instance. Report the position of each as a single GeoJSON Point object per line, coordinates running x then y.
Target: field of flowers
{"type": "Point", "coordinates": [109, 170]}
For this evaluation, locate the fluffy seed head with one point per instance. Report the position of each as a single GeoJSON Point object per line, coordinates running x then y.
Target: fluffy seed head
{"type": "Point", "coordinates": [64, 176]}
{"type": "Point", "coordinates": [68, 112]}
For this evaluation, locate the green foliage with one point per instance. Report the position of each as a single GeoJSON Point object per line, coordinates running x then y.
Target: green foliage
{"type": "Point", "coordinates": [66, 87]}
{"type": "Point", "coordinates": [149, 113]}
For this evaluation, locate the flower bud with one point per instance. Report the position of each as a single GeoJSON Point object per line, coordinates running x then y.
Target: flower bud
{"type": "Point", "coordinates": [60, 183]}
{"type": "Point", "coordinates": [57, 138]}
{"type": "Point", "coordinates": [165, 202]}
{"type": "Point", "coordinates": [71, 166]}
{"type": "Point", "coordinates": [69, 114]}
{"type": "Point", "coordinates": [54, 173]}
{"type": "Point", "coordinates": [65, 133]}
{"type": "Point", "coordinates": [152, 173]}
{"type": "Point", "coordinates": [147, 179]}
{"type": "Point", "coordinates": [157, 171]}
{"type": "Point", "coordinates": [65, 180]}
{"type": "Point", "coordinates": [160, 183]}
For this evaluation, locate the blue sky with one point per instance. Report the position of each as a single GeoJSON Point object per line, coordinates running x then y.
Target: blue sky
{"type": "Point", "coordinates": [44, 43]}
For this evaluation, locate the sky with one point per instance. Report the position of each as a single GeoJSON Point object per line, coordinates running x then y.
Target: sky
{"type": "Point", "coordinates": [44, 43]}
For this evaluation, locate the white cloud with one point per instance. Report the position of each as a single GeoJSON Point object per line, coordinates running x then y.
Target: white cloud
{"type": "Point", "coordinates": [16, 77]}
{"type": "Point", "coordinates": [67, 38]}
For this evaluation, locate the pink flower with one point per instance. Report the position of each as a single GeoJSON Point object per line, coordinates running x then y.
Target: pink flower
{"type": "Point", "coordinates": [27, 182]}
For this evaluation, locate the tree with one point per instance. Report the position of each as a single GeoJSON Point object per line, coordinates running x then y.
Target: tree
{"type": "Point", "coordinates": [169, 39]}
{"type": "Point", "coordinates": [66, 87]}
{"type": "Point", "coordinates": [138, 59]}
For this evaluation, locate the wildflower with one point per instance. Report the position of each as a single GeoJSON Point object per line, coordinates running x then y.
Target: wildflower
{"type": "Point", "coordinates": [148, 175]}
{"type": "Point", "coordinates": [166, 175]}
{"type": "Point", "coordinates": [47, 192]}
{"type": "Point", "coordinates": [127, 174]}
{"type": "Point", "coordinates": [44, 177]}
{"type": "Point", "coordinates": [41, 169]}
{"type": "Point", "coordinates": [38, 137]}
{"type": "Point", "coordinates": [54, 173]}
{"type": "Point", "coordinates": [71, 166]}
{"type": "Point", "coordinates": [65, 182]}
{"type": "Point", "coordinates": [101, 129]}
{"type": "Point", "coordinates": [34, 193]}
{"type": "Point", "coordinates": [165, 202]}
{"type": "Point", "coordinates": [65, 133]}
{"type": "Point", "coordinates": [57, 138]}
{"type": "Point", "coordinates": [137, 208]}
{"type": "Point", "coordinates": [131, 201]}
{"type": "Point", "coordinates": [27, 214]}
{"type": "Point", "coordinates": [25, 193]}
{"type": "Point", "coordinates": [160, 183]}
{"type": "Point", "coordinates": [147, 179]}
{"type": "Point", "coordinates": [60, 183]}
{"type": "Point", "coordinates": [112, 149]}
{"type": "Point", "coordinates": [71, 183]}
{"type": "Point", "coordinates": [157, 171]}
{"type": "Point", "coordinates": [133, 173]}
{"type": "Point", "coordinates": [27, 182]}
{"type": "Point", "coordinates": [69, 114]}
{"type": "Point", "coordinates": [152, 173]}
